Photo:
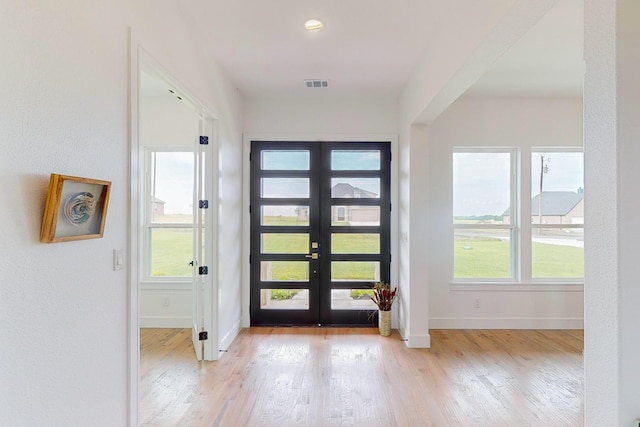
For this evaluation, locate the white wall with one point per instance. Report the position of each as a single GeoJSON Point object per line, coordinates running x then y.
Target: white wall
{"type": "Point", "coordinates": [319, 119]}
{"type": "Point", "coordinates": [628, 66]}
{"type": "Point", "coordinates": [320, 116]}
{"type": "Point", "coordinates": [475, 40]}
{"type": "Point", "coordinates": [64, 109]}
{"type": "Point", "coordinates": [494, 122]}
{"type": "Point", "coordinates": [612, 293]}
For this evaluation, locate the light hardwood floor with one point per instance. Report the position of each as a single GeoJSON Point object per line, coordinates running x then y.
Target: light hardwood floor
{"type": "Point", "coordinates": [354, 377]}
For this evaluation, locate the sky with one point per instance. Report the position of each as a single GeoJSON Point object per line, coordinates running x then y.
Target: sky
{"type": "Point", "coordinates": [299, 160]}
{"type": "Point", "coordinates": [174, 181]}
{"type": "Point", "coordinates": [174, 175]}
{"type": "Point", "coordinates": [481, 180]}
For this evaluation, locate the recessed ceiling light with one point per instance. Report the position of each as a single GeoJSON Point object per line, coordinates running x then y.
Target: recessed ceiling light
{"type": "Point", "coordinates": [313, 25]}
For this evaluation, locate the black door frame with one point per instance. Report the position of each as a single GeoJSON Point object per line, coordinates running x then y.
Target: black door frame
{"type": "Point", "coordinates": [320, 229]}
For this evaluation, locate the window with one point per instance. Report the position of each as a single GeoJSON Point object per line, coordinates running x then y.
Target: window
{"type": "Point", "coordinates": [494, 211]}
{"type": "Point", "coordinates": [484, 214]}
{"type": "Point", "coordinates": [168, 213]}
{"type": "Point", "coordinates": [557, 215]}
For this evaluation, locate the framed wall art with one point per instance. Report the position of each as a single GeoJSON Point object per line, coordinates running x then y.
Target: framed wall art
{"type": "Point", "coordinates": [76, 209]}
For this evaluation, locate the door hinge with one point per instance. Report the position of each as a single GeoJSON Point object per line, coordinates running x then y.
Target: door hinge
{"type": "Point", "coordinates": [249, 155]}
{"type": "Point", "coordinates": [204, 140]}
{"type": "Point", "coordinates": [204, 204]}
{"type": "Point", "coordinates": [249, 259]}
{"type": "Point", "coordinates": [203, 336]}
{"type": "Point", "coordinates": [390, 207]}
{"type": "Point", "coordinates": [249, 208]}
{"type": "Point", "coordinates": [203, 271]}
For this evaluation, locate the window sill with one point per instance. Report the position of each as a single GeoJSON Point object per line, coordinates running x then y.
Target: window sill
{"type": "Point", "coordinates": [175, 284]}
{"type": "Point", "coordinates": [518, 287]}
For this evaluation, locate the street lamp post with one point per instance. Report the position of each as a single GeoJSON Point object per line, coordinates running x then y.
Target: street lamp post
{"type": "Point", "coordinates": [544, 168]}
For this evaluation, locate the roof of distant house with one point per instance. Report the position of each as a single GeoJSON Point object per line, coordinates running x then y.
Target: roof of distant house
{"type": "Point", "coordinates": [344, 190]}
{"type": "Point", "coordinates": [156, 200]}
{"type": "Point", "coordinates": [554, 203]}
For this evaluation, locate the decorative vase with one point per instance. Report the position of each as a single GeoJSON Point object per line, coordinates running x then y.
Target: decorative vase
{"type": "Point", "coordinates": [384, 322]}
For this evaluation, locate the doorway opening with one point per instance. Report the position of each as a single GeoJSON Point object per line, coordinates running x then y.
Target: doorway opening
{"type": "Point", "coordinates": [320, 231]}
{"type": "Point", "coordinates": [174, 218]}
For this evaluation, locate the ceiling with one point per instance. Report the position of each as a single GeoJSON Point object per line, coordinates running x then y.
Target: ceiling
{"type": "Point", "coordinates": [370, 47]}
{"type": "Point", "coordinates": [548, 60]}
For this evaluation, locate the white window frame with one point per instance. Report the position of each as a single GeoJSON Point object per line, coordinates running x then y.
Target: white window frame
{"type": "Point", "coordinates": [148, 225]}
{"type": "Point", "coordinates": [532, 227]}
{"type": "Point", "coordinates": [515, 224]}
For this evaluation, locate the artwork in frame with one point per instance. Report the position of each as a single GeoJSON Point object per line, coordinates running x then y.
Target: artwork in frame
{"type": "Point", "coordinates": [76, 208]}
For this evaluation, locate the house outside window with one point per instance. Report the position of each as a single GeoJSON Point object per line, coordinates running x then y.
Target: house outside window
{"type": "Point", "coordinates": [557, 214]}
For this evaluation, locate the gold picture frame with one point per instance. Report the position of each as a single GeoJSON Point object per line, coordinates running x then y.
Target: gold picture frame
{"type": "Point", "coordinates": [76, 209]}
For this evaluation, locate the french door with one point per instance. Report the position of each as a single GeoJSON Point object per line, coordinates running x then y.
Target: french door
{"type": "Point", "coordinates": [320, 231]}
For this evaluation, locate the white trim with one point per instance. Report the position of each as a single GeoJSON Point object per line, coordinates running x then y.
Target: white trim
{"type": "Point", "coordinates": [132, 228]}
{"type": "Point", "coordinates": [550, 286]}
{"type": "Point", "coordinates": [183, 322]}
{"type": "Point", "coordinates": [506, 323]}
{"type": "Point", "coordinates": [246, 167]}
{"type": "Point", "coordinates": [418, 341]}
{"type": "Point", "coordinates": [226, 341]}
{"type": "Point", "coordinates": [555, 149]}
{"type": "Point", "coordinates": [557, 225]}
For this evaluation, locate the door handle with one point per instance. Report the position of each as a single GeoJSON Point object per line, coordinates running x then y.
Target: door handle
{"type": "Point", "coordinates": [312, 256]}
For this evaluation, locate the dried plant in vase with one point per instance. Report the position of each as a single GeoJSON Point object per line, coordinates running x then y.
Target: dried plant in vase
{"type": "Point", "coordinates": [383, 296]}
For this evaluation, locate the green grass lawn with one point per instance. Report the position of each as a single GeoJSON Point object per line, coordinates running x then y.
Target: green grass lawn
{"type": "Point", "coordinates": [557, 261]}
{"type": "Point", "coordinates": [475, 258]}
{"type": "Point", "coordinates": [171, 250]}
{"type": "Point", "coordinates": [343, 270]}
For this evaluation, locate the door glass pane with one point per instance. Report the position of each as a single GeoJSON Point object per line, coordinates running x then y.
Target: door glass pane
{"type": "Point", "coordinates": [560, 176]}
{"type": "Point", "coordinates": [352, 299]}
{"type": "Point", "coordinates": [285, 243]}
{"type": "Point", "coordinates": [284, 215]}
{"type": "Point", "coordinates": [557, 252]}
{"type": "Point", "coordinates": [355, 160]}
{"type": "Point", "coordinates": [355, 188]}
{"type": "Point", "coordinates": [284, 271]}
{"type": "Point", "coordinates": [285, 160]}
{"type": "Point", "coordinates": [171, 187]}
{"type": "Point", "coordinates": [284, 299]}
{"type": "Point", "coordinates": [285, 187]}
{"type": "Point", "coordinates": [355, 243]}
{"type": "Point", "coordinates": [171, 252]}
{"type": "Point", "coordinates": [482, 253]}
{"type": "Point", "coordinates": [482, 188]}
{"type": "Point", "coordinates": [355, 215]}
{"type": "Point", "coordinates": [342, 271]}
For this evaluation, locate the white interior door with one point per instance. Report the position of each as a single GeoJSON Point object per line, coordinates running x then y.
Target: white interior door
{"type": "Point", "coordinates": [204, 328]}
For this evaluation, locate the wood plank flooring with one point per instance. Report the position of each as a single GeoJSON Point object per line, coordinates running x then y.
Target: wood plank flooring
{"type": "Point", "coordinates": [354, 377]}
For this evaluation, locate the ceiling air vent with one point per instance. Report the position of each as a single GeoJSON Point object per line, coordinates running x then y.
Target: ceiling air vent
{"type": "Point", "coordinates": [316, 83]}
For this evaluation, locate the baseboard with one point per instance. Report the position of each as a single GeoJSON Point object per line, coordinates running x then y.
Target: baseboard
{"type": "Point", "coordinates": [225, 342]}
{"type": "Point", "coordinates": [506, 323]}
{"type": "Point", "coordinates": [165, 322]}
{"type": "Point", "coordinates": [417, 341]}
